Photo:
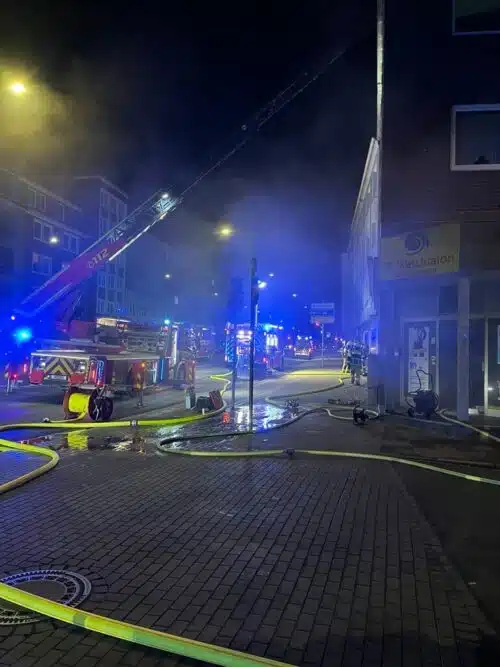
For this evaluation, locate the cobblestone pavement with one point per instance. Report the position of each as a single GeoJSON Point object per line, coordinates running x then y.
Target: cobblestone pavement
{"type": "Point", "coordinates": [310, 561]}
{"type": "Point", "coordinates": [15, 464]}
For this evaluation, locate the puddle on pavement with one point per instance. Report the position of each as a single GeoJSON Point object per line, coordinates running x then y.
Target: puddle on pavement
{"type": "Point", "coordinates": [143, 440]}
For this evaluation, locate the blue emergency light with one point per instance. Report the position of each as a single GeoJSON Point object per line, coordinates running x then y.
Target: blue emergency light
{"type": "Point", "coordinates": [22, 335]}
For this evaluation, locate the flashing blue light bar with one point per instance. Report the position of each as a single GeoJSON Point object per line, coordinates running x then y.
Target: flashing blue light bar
{"type": "Point", "coordinates": [22, 335]}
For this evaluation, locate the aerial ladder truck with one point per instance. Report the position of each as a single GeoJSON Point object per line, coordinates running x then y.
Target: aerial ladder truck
{"type": "Point", "coordinates": [50, 308]}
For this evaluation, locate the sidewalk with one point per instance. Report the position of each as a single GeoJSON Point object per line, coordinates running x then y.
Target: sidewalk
{"type": "Point", "coordinates": [312, 561]}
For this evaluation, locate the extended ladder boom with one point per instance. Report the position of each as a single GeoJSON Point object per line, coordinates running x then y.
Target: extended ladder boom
{"type": "Point", "coordinates": [105, 249]}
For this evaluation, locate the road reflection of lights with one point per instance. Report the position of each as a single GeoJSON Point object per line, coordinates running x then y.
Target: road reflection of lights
{"type": "Point", "coordinates": [77, 440]}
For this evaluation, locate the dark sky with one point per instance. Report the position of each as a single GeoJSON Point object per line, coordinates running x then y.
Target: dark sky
{"type": "Point", "coordinates": [146, 95]}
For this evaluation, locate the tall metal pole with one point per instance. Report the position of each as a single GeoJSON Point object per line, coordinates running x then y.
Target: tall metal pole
{"type": "Point", "coordinates": [384, 370]}
{"type": "Point", "coordinates": [322, 345]}
{"type": "Point", "coordinates": [253, 325]}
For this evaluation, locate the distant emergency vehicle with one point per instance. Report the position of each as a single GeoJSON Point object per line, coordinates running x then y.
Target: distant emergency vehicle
{"type": "Point", "coordinates": [304, 347]}
{"type": "Point", "coordinates": [269, 348]}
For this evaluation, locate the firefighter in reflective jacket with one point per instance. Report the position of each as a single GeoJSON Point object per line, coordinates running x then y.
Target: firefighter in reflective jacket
{"type": "Point", "coordinates": [355, 361]}
{"type": "Point", "coordinates": [139, 383]}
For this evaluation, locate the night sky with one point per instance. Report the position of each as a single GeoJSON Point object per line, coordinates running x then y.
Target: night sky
{"type": "Point", "coordinates": [146, 96]}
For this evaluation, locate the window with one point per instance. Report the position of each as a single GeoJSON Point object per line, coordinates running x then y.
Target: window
{"type": "Point", "coordinates": [42, 231]}
{"type": "Point", "coordinates": [70, 243]}
{"type": "Point", "coordinates": [121, 271]}
{"type": "Point", "coordinates": [111, 295]}
{"type": "Point", "coordinates": [110, 308]}
{"type": "Point", "coordinates": [40, 201]}
{"type": "Point", "coordinates": [448, 299]}
{"type": "Point", "coordinates": [37, 230]}
{"type": "Point", "coordinates": [59, 211]}
{"type": "Point", "coordinates": [35, 199]}
{"type": "Point", "coordinates": [473, 17]}
{"type": "Point", "coordinates": [101, 293]}
{"type": "Point", "coordinates": [105, 199]}
{"type": "Point", "coordinates": [111, 282]}
{"type": "Point", "coordinates": [119, 297]}
{"type": "Point", "coordinates": [100, 306]}
{"type": "Point", "coordinates": [30, 198]}
{"type": "Point", "coordinates": [103, 226]}
{"type": "Point", "coordinates": [475, 138]}
{"type": "Point", "coordinates": [121, 210]}
{"type": "Point", "coordinates": [119, 283]}
{"type": "Point", "coordinates": [41, 264]}
{"type": "Point", "coordinates": [101, 279]}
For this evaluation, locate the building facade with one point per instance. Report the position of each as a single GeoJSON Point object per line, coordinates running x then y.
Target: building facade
{"type": "Point", "coordinates": [149, 293]}
{"type": "Point", "coordinates": [104, 205]}
{"type": "Point", "coordinates": [436, 280]}
{"type": "Point", "coordinates": [40, 233]}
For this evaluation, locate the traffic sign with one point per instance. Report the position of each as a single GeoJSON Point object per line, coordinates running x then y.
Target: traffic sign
{"type": "Point", "coordinates": [322, 313]}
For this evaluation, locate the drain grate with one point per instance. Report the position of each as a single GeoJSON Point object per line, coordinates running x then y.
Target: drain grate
{"type": "Point", "coordinates": [62, 586]}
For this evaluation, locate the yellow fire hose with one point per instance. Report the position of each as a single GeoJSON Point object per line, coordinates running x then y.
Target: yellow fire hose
{"type": "Point", "coordinates": [216, 655]}
{"type": "Point", "coordinates": [145, 636]}
{"type": "Point", "coordinates": [163, 641]}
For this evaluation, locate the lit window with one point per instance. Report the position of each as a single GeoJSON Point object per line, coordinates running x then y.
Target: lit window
{"type": "Point", "coordinates": [472, 17]}
{"type": "Point", "coordinates": [475, 138]}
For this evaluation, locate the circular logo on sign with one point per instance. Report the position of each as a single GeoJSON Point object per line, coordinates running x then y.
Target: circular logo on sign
{"type": "Point", "coordinates": [415, 243]}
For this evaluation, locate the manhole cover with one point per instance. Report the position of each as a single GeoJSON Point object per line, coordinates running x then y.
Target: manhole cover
{"type": "Point", "coordinates": [61, 586]}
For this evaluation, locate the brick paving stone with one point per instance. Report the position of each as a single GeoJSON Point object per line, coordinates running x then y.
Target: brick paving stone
{"type": "Point", "coordinates": [311, 561]}
{"type": "Point", "coordinates": [14, 464]}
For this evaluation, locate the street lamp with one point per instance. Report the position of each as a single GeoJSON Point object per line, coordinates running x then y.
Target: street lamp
{"type": "Point", "coordinates": [271, 275]}
{"type": "Point", "coordinates": [54, 240]}
{"type": "Point", "coordinates": [262, 284]}
{"type": "Point", "coordinates": [17, 88]}
{"type": "Point", "coordinates": [294, 296]}
{"type": "Point", "coordinates": [225, 231]}
{"type": "Point", "coordinates": [168, 276]}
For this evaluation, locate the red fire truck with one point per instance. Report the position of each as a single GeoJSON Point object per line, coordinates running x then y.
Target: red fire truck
{"type": "Point", "coordinates": [119, 357]}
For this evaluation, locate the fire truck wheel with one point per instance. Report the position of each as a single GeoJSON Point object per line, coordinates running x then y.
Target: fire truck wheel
{"type": "Point", "coordinates": [100, 408]}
